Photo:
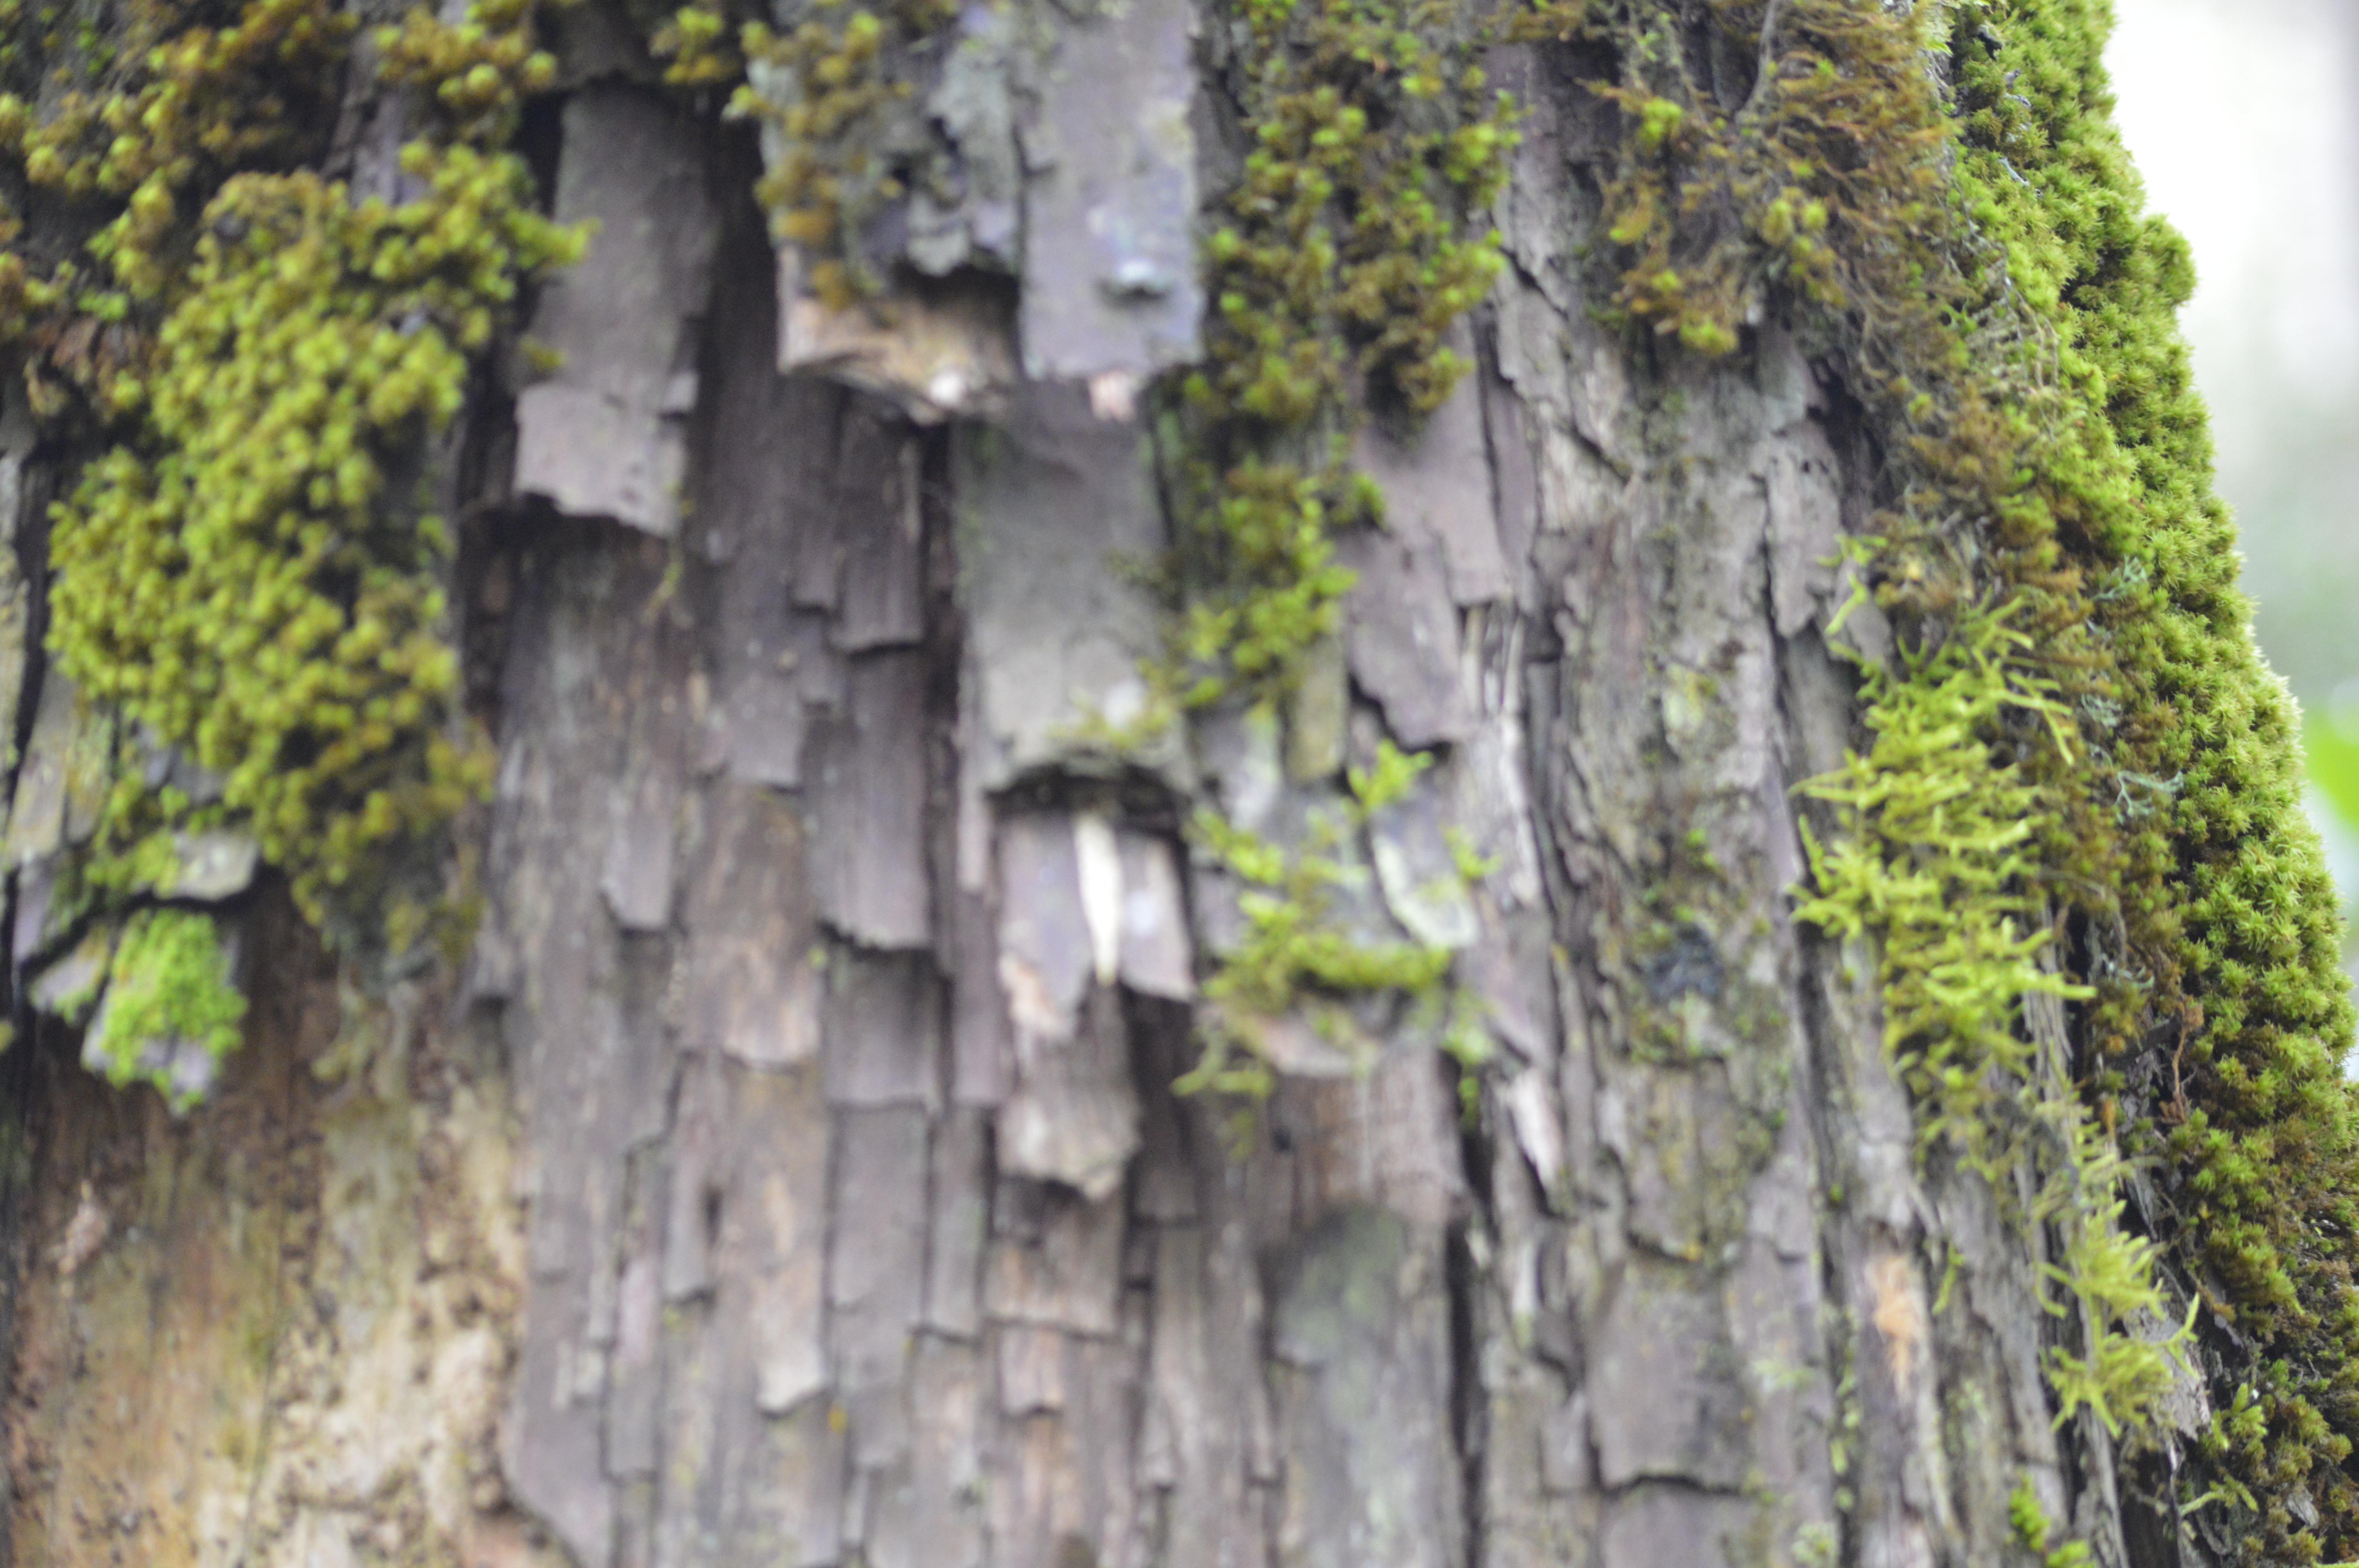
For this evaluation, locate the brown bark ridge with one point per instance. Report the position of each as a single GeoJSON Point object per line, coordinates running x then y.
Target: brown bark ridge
{"type": "Point", "coordinates": [791, 1174]}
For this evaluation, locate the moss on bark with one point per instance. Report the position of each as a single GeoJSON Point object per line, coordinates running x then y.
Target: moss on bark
{"type": "Point", "coordinates": [262, 362]}
{"type": "Point", "coordinates": [1973, 253]}
{"type": "Point", "coordinates": [2223, 889]}
{"type": "Point", "coordinates": [248, 567]}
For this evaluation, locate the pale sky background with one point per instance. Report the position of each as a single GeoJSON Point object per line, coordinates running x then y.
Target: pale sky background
{"type": "Point", "coordinates": [2241, 115]}
{"type": "Point", "coordinates": [2244, 117]}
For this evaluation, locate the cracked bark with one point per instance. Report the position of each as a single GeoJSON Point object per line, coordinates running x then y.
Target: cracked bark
{"type": "Point", "coordinates": [791, 1174]}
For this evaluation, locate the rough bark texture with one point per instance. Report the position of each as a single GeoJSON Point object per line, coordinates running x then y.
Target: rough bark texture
{"type": "Point", "coordinates": [791, 1174]}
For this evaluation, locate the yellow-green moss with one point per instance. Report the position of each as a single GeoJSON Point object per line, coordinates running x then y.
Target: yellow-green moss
{"type": "Point", "coordinates": [699, 47]}
{"type": "Point", "coordinates": [823, 90]}
{"type": "Point", "coordinates": [1820, 192]}
{"type": "Point", "coordinates": [169, 982]}
{"type": "Point", "coordinates": [257, 369]}
{"type": "Point", "coordinates": [832, 94]}
{"type": "Point", "coordinates": [1936, 861]}
{"type": "Point", "coordinates": [1343, 264]}
{"type": "Point", "coordinates": [249, 569]}
{"type": "Point", "coordinates": [2224, 891]}
{"type": "Point", "coordinates": [244, 574]}
{"type": "Point", "coordinates": [149, 127]}
{"type": "Point", "coordinates": [1294, 962]}
{"type": "Point", "coordinates": [2035, 1535]}
{"type": "Point", "coordinates": [1346, 256]}
{"type": "Point", "coordinates": [471, 78]}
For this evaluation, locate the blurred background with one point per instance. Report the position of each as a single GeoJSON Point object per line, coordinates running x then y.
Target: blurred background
{"type": "Point", "coordinates": [2243, 117]}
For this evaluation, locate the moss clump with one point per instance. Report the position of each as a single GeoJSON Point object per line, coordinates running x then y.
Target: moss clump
{"type": "Point", "coordinates": [1809, 187]}
{"type": "Point", "coordinates": [2224, 891]}
{"type": "Point", "coordinates": [1256, 581]}
{"type": "Point", "coordinates": [1345, 259]}
{"type": "Point", "coordinates": [834, 97]}
{"type": "Point", "coordinates": [469, 79]}
{"type": "Point", "coordinates": [2035, 1535]}
{"type": "Point", "coordinates": [243, 574]}
{"type": "Point", "coordinates": [1820, 190]}
{"type": "Point", "coordinates": [1346, 253]}
{"type": "Point", "coordinates": [1294, 960]}
{"type": "Point", "coordinates": [169, 983]}
{"type": "Point", "coordinates": [206, 101]}
{"type": "Point", "coordinates": [1937, 862]}
{"type": "Point", "coordinates": [248, 569]}
{"type": "Point", "coordinates": [1344, 262]}
{"type": "Point", "coordinates": [146, 131]}
{"type": "Point", "coordinates": [697, 45]}
{"type": "Point", "coordinates": [830, 94]}
{"type": "Point", "coordinates": [257, 371]}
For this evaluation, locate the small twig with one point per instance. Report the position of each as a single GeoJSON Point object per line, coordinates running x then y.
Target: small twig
{"type": "Point", "coordinates": [2178, 1103]}
{"type": "Point", "coordinates": [1767, 60]}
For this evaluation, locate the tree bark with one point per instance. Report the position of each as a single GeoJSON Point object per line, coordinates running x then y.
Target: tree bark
{"type": "Point", "coordinates": [792, 1171]}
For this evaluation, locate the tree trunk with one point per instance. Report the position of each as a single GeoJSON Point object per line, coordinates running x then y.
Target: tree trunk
{"type": "Point", "coordinates": [791, 1169]}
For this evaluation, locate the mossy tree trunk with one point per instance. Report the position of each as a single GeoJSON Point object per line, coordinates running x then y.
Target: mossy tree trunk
{"type": "Point", "coordinates": [789, 1170]}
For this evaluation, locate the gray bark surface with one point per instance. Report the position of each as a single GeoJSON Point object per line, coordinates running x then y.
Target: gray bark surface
{"type": "Point", "coordinates": [791, 1174]}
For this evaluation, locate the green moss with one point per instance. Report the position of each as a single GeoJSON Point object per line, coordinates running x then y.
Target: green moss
{"type": "Point", "coordinates": [1811, 193]}
{"type": "Point", "coordinates": [697, 45]}
{"type": "Point", "coordinates": [246, 570]}
{"type": "Point", "coordinates": [1387, 780]}
{"type": "Point", "coordinates": [1474, 867]}
{"type": "Point", "coordinates": [170, 981]}
{"type": "Point", "coordinates": [2035, 1535]}
{"type": "Point", "coordinates": [471, 77]}
{"type": "Point", "coordinates": [2224, 891]}
{"type": "Point", "coordinates": [249, 569]}
{"type": "Point", "coordinates": [827, 92]}
{"type": "Point", "coordinates": [149, 130]}
{"type": "Point", "coordinates": [1345, 261]}
{"type": "Point", "coordinates": [1343, 265]}
{"type": "Point", "coordinates": [834, 96]}
{"type": "Point", "coordinates": [1936, 860]}
{"type": "Point", "coordinates": [1982, 267]}
{"type": "Point", "coordinates": [244, 574]}
{"type": "Point", "coordinates": [1293, 961]}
